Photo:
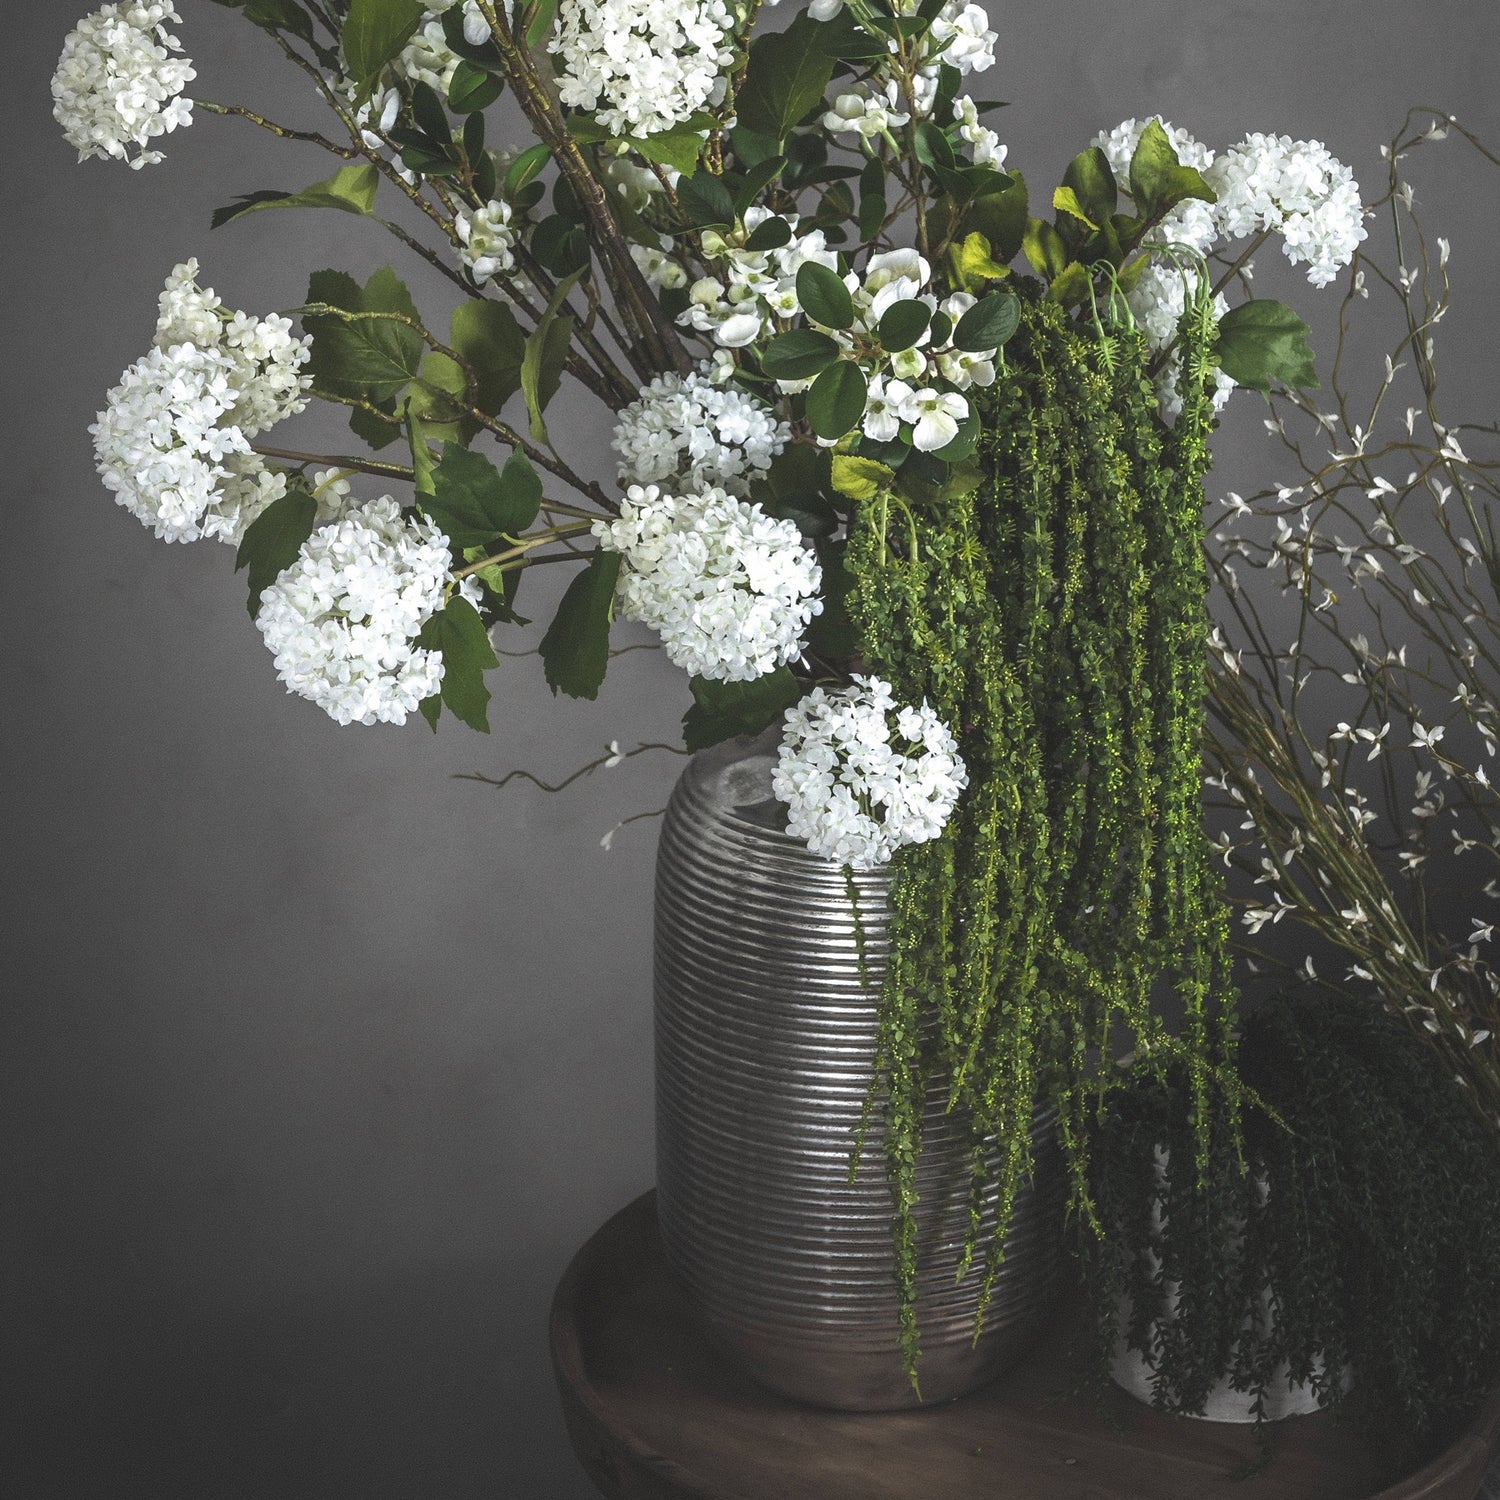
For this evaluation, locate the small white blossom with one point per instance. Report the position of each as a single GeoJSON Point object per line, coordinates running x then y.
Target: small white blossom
{"type": "Point", "coordinates": [863, 777]}
{"type": "Point", "coordinates": [487, 240]}
{"type": "Point", "coordinates": [342, 620]}
{"type": "Point", "coordinates": [729, 589]}
{"type": "Point", "coordinates": [118, 84]}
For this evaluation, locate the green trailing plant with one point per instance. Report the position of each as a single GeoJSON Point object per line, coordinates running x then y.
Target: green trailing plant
{"type": "Point", "coordinates": [1049, 601]}
{"type": "Point", "coordinates": [1371, 1212]}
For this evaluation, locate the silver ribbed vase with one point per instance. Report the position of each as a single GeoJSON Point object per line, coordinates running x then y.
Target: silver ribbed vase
{"type": "Point", "coordinates": [764, 1040]}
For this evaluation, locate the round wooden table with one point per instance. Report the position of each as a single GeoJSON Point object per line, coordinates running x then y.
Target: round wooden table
{"type": "Point", "coordinates": [655, 1414]}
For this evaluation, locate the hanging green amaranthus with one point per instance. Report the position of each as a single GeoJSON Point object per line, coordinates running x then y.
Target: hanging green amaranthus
{"type": "Point", "coordinates": [1050, 607]}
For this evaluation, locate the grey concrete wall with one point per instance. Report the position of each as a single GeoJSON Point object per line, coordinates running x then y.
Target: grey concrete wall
{"type": "Point", "coordinates": [320, 1062]}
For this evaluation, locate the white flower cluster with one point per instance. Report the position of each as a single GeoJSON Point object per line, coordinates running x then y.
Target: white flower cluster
{"type": "Point", "coordinates": [984, 144]}
{"type": "Point", "coordinates": [487, 240]}
{"type": "Point", "coordinates": [643, 65]}
{"type": "Point", "coordinates": [342, 620]}
{"type": "Point", "coordinates": [173, 442]}
{"type": "Point", "coordinates": [117, 84]}
{"type": "Point", "coordinates": [690, 434]}
{"type": "Point", "coordinates": [729, 589]}
{"type": "Point", "coordinates": [862, 777]}
{"type": "Point", "coordinates": [1297, 188]}
{"type": "Point", "coordinates": [865, 115]}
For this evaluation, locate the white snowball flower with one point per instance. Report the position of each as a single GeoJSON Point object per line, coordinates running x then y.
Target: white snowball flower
{"type": "Point", "coordinates": [487, 240]}
{"type": "Point", "coordinates": [1271, 182]}
{"type": "Point", "coordinates": [342, 620]}
{"type": "Point", "coordinates": [643, 65]}
{"type": "Point", "coordinates": [690, 433]}
{"type": "Point", "coordinates": [1192, 223]}
{"type": "Point", "coordinates": [862, 777]}
{"type": "Point", "coordinates": [118, 85]}
{"type": "Point", "coordinates": [173, 442]}
{"type": "Point", "coordinates": [729, 589]}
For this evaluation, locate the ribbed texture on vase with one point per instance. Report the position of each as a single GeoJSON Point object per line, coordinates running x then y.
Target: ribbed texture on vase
{"type": "Point", "coordinates": [764, 1039]}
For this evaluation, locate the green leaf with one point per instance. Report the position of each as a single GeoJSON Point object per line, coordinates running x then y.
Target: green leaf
{"type": "Point", "coordinates": [374, 32]}
{"type": "Point", "coordinates": [373, 357]}
{"type": "Point", "coordinates": [1001, 218]}
{"type": "Point", "coordinates": [369, 429]}
{"type": "Point", "coordinates": [545, 355]}
{"type": "Point", "coordinates": [422, 461]}
{"type": "Point", "coordinates": [860, 478]}
{"type": "Point", "coordinates": [836, 401]}
{"type": "Point", "coordinates": [472, 88]}
{"type": "Point", "coordinates": [575, 649]}
{"type": "Point", "coordinates": [540, 24]}
{"type": "Point", "coordinates": [784, 80]}
{"type": "Point", "coordinates": [799, 354]}
{"type": "Point", "coordinates": [706, 201]}
{"type": "Point", "coordinates": [1065, 201]}
{"type": "Point", "coordinates": [902, 324]}
{"type": "Point", "coordinates": [796, 486]}
{"type": "Point", "coordinates": [1261, 341]}
{"type": "Point", "coordinates": [351, 189]}
{"type": "Point", "coordinates": [824, 297]}
{"type": "Point", "coordinates": [722, 710]}
{"type": "Point", "coordinates": [523, 169]}
{"type": "Point", "coordinates": [459, 634]}
{"type": "Point", "coordinates": [758, 178]}
{"type": "Point", "coordinates": [972, 263]}
{"type": "Point", "coordinates": [474, 503]}
{"type": "Point", "coordinates": [1158, 180]}
{"type": "Point", "coordinates": [933, 148]}
{"type": "Point", "coordinates": [679, 148]}
{"type": "Point", "coordinates": [1090, 180]}
{"type": "Point", "coordinates": [1070, 286]}
{"type": "Point", "coordinates": [1044, 249]}
{"type": "Point", "coordinates": [988, 324]}
{"type": "Point", "coordinates": [769, 234]}
{"type": "Point", "coordinates": [273, 539]}
{"type": "Point", "coordinates": [275, 15]}
{"type": "Point", "coordinates": [872, 200]}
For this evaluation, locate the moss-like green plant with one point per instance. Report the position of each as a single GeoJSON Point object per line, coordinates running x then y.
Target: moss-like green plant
{"type": "Point", "coordinates": [1050, 606]}
{"type": "Point", "coordinates": [1372, 1212]}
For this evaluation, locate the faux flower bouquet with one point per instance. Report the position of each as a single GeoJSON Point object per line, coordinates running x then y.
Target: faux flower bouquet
{"type": "Point", "coordinates": [908, 457]}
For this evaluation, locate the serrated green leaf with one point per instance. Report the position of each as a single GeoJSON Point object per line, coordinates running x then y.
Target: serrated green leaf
{"type": "Point", "coordinates": [784, 79]}
{"type": "Point", "coordinates": [275, 15]}
{"type": "Point", "coordinates": [860, 478]}
{"type": "Point", "coordinates": [823, 296]}
{"type": "Point", "coordinates": [423, 463]}
{"type": "Point", "coordinates": [350, 189]}
{"type": "Point", "coordinates": [374, 32]}
{"type": "Point", "coordinates": [1044, 249]}
{"type": "Point", "coordinates": [1158, 180]}
{"type": "Point", "coordinates": [575, 649]}
{"type": "Point", "coordinates": [490, 340]}
{"type": "Point", "coordinates": [1070, 286]}
{"type": "Point", "coordinates": [973, 264]}
{"type": "Point", "coordinates": [373, 357]}
{"type": "Point", "coordinates": [798, 355]}
{"type": "Point", "coordinates": [1065, 201]}
{"type": "Point", "coordinates": [1261, 341]}
{"type": "Point", "coordinates": [273, 540]}
{"type": "Point", "coordinates": [988, 324]}
{"type": "Point", "coordinates": [466, 501]}
{"type": "Point", "coordinates": [722, 710]}
{"type": "Point", "coordinates": [1091, 181]}
{"type": "Point", "coordinates": [459, 634]}
{"type": "Point", "coordinates": [836, 401]}
{"type": "Point", "coordinates": [679, 148]}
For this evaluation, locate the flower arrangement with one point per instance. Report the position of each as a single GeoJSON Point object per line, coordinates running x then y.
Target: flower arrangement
{"type": "Point", "coordinates": [907, 465]}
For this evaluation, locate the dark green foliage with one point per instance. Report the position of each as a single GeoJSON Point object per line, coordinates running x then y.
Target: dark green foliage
{"type": "Point", "coordinates": [1054, 617]}
{"type": "Point", "coordinates": [1378, 1227]}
